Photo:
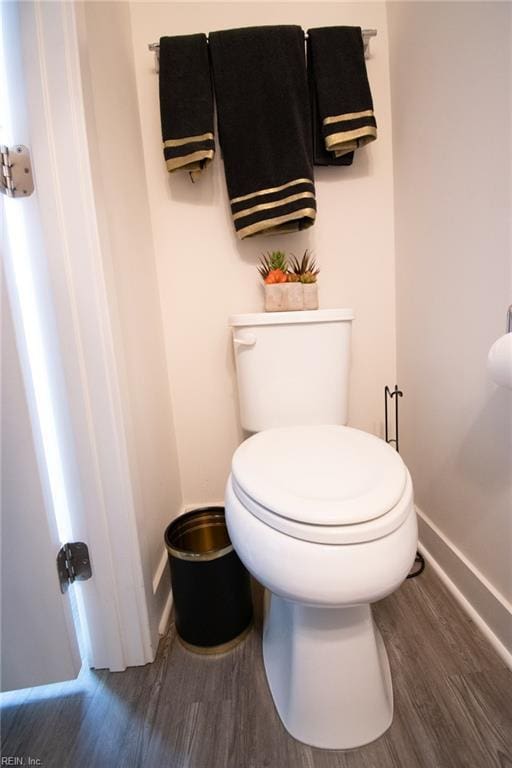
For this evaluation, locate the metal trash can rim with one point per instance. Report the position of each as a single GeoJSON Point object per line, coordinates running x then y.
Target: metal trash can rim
{"type": "Point", "coordinates": [199, 535]}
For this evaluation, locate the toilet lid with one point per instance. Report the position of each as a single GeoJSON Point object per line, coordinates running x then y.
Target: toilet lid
{"type": "Point", "coordinates": [320, 475]}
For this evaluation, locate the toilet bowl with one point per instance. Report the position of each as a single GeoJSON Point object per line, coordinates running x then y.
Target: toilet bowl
{"type": "Point", "coordinates": [323, 517]}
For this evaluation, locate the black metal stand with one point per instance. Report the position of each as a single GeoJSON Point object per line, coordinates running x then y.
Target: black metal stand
{"type": "Point", "coordinates": [419, 561]}
{"type": "Point", "coordinates": [418, 567]}
{"type": "Point", "coordinates": [391, 395]}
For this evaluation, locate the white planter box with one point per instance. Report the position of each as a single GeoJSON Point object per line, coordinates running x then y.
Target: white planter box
{"type": "Point", "coordinates": [290, 297]}
{"type": "Point", "coordinates": [310, 291]}
{"type": "Point", "coordinates": [284, 297]}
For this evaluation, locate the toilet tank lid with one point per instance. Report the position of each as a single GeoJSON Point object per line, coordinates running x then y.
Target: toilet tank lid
{"type": "Point", "coordinates": [290, 318]}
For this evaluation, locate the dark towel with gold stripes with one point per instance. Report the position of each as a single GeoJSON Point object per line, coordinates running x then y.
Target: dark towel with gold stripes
{"type": "Point", "coordinates": [321, 156]}
{"type": "Point", "coordinates": [186, 103]}
{"type": "Point", "coordinates": [264, 127]}
{"type": "Point", "coordinates": [338, 74]}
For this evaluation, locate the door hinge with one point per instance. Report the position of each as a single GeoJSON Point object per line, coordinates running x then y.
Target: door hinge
{"type": "Point", "coordinates": [16, 171]}
{"type": "Point", "coordinates": [73, 564]}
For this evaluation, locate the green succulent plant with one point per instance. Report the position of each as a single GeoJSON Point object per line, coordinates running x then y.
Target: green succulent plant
{"type": "Point", "coordinates": [305, 269]}
{"type": "Point", "coordinates": [271, 261]}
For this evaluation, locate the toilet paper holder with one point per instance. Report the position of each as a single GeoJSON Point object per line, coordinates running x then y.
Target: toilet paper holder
{"type": "Point", "coordinates": [509, 319]}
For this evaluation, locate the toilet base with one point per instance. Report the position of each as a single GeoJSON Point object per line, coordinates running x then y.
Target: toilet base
{"type": "Point", "coordinates": [328, 672]}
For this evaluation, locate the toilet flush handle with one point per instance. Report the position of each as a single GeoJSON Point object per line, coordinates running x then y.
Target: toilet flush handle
{"type": "Point", "coordinates": [247, 341]}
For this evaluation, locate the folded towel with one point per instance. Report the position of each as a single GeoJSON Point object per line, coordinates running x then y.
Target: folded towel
{"type": "Point", "coordinates": [186, 103]}
{"type": "Point", "coordinates": [338, 71]}
{"type": "Point", "coordinates": [264, 127]}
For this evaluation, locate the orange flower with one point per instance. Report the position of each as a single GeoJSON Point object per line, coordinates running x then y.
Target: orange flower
{"type": "Point", "coordinates": [276, 276]}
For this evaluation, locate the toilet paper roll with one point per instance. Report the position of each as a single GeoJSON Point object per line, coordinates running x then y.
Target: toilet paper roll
{"type": "Point", "coordinates": [499, 362]}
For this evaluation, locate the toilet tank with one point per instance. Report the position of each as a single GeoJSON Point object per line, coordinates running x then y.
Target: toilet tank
{"type": "Point", "coordinates": [292, 367]}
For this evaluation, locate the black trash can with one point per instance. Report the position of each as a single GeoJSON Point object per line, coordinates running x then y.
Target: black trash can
{"type": "Point", "coordinates": [211, 588]}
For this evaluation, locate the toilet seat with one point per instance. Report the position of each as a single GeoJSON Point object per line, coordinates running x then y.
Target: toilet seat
{"type": "Point", "coordinates": [327, 484]}
{"type": "Point", "coordinates": [357, 533]}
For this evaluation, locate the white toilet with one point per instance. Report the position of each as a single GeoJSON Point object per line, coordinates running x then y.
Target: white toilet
{"type": "Point", "coordinates": [322, 515]}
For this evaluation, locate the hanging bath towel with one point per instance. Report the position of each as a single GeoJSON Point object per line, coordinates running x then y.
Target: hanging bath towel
{"type": "Point", "coordinates": [186, 103]}
{"type": "Point", "coordinates": [337, 71]}
{"type": "Point", "coordinates": [264, 127]}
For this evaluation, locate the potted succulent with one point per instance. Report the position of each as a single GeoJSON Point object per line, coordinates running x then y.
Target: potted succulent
{"type": "Point", "coordinates": [289, 285]}
{"type": "Point", "coordinates": [306, 272]}
{"type": "Point", "coordinates": [283, 291]}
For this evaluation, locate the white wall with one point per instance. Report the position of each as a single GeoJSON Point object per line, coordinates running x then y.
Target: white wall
{"type": "Point", "coordinates": [205, 274]}
{"type": "Point", "coordinates": [129, 262]}
{"type": "Point", "coordinates": [451, 98]}
{"type": "Point", "coordinates": [450, 75]}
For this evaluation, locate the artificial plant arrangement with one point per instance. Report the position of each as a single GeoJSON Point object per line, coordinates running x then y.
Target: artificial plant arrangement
{"type": "Point", "coordinates": [290, 284]}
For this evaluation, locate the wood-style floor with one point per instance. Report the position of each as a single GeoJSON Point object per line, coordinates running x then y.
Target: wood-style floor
{"type": "Point", "coordinates": [453, 704]}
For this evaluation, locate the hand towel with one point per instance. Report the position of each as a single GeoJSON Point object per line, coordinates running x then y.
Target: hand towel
{"type": "Point", "coordinates": [186, 103]}
{"type": "Point", "coordinates": [338, 71]}
{"type": "Point", "coordinates": [321, 156]}
{"type": "Point", "coordinates": [264, 127]}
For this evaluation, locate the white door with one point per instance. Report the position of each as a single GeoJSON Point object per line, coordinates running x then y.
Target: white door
{"type": "Point", "coordinates": [38, 639]}
{"type": "Point", "coordinates": [54, 279]}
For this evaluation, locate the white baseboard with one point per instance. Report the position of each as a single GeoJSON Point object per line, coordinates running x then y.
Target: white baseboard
{"type": "Point", "coordinates": [490, 611]}
{"type": "Point", "coordinates": [163, 624]}
{"type": "Point", "coordinates": [160, 570]}
{"type": "Point", "coordinates": [161, 582]}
